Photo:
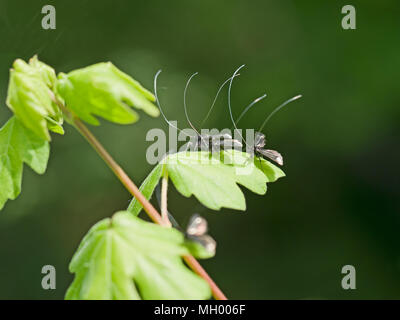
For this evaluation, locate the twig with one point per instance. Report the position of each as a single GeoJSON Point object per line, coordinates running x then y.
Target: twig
{"type": "Point", "coordinates": [134, 191]}
{"type": "Point", "coordinates": [164, 191]}
{"type": "Point", "coordinates": [196, 267]}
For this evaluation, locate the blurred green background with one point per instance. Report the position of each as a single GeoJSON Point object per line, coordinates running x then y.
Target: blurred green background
{"type": "Point", "coordinates": [339, 203]}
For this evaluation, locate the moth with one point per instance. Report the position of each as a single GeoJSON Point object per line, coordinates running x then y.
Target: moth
{"type": "Point", "coordinates": [259, 140]}
{"type": "Point", "coordinates": [204, 142]}
{"type": "Point", "coordinates": [197, 229]}
{"type": "Point", "coordinates": [259, 151]}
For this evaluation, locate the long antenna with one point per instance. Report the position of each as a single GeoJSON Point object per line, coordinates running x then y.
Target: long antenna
{"type": "Point", "coordinates": [184, 103]}
{"type": "Point", "coordinates": [229, 102]}
{"type": "Point", "coordinates": [249, 106]}
{"type": "Point", "coordinates": [159, 106]}
{"type": "Point", "coordinates": [215, 99]}
{"type": "Point", "coordinates": [277, 109]}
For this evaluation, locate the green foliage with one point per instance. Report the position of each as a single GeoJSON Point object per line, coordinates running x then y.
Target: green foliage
{"type": "Point", "coordinates": [100, 89]}
{"type": "Point", "coordinates": [147, 189]}
{"type": "Point", "coordinates": [103, 90]}
{"type": "Point", "coordinates": [127, 258]}
{"type": "Point", "coordinates": [46, 72]}
{"type": "Point", "coordinates": [198, 250]}
{"type": "Point", "coordinates": [122, 257]}
{"type": "Point", "coordinates": [29, 97]}
{"type": "Point", "coordinates": [18, 145]}
{"type": "Point", "coordinates": [213, 179]}
{"type": "Point", "coordinates": [271, 171]}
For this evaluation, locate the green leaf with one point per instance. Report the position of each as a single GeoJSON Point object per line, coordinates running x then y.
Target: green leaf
{"type": "Point", "coordinates": [105, 91]}
{"type": "Point", "coordinates": [198, 250]}
{"type": "Point", "coordinates": [128, 258]}
{"type": "Point", "coordinates": [271, 171]}
{"type": "Point", "coordinates": [18, 145]}
{"type": "Point", "coordinates": [213, 178]}
{"type": "Point", "coordinates": [28, 96]}
{"type": "Point", "coordinates": [46, 72]}
{"type": "Point", "coordinates": [147, 189]}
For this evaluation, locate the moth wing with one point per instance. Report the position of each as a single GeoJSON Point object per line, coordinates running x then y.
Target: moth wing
{"type": "Point", "coordinates": [259, 140]}
{"type": "Point", "coordinates": [207, 242]}
{"type": "Point", "coordinates": [272, 154]}
{"type": "Point", "coordinates": [197, 226]}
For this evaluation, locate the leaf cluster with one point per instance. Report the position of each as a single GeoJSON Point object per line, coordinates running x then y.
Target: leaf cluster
{"type": "Point", "coordinates": [33, 90]}
{"type": "Point", "coordinates": [122, 257]}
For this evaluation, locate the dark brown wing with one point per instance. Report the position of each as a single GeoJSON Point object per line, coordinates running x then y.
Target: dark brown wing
{"type": "Point", "coordinates": [271, 154]}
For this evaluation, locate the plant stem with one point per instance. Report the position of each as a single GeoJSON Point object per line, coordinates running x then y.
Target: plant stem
{"type": "Point", "coordinates": [147, 206]}
{"type": "Point", "coordinates": [119, 172]}
{"type": "Point", "coordinates": [196, 267]}
{"type": "Point", "coordinates": [190, 260]}
{"type": "Point", "coordinates": [164, 191]}
{"type": "Point", "coordinates": [134, 191]}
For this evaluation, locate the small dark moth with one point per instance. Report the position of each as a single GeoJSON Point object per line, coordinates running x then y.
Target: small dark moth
{"type": "Point", "coordinates": [204, 142]}
{"type": "Point", "coordinates": [197, 229]}
{"type": "Point", "coordinates": [259, 151]}
{"type": "Point", "coordinates": [259, 139]}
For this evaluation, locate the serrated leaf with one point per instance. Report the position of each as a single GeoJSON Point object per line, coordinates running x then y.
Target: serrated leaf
{"type": "Point", "coordinates": [103, 90]}
{"type": "Point", "coordinates": [209, 180]}
{"type": "Point", "coordinates": [213, 178]}
{"type": "Point", "coordinates": [147, 189]}
{"type": "Point", "coordinates": [128, 258]}
{"type": "Point", "coordinates": [28, 97]}
{"type": "Point", "coordinates": [18, 145]}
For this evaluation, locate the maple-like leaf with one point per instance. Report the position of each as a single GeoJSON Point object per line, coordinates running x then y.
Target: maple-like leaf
{"type": "Point", "coordinates": [29, 97]}
{"type": "Point", "coordinates": [125, 257]}
{"type": "Point", "coordinates": [18, 145]}
{"type": "Point", "coordinates": [212, 178]}
{"type": "Point", "coordinates": [105, 91]}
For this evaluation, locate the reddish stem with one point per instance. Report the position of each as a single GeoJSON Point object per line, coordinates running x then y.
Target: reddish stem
{"type": "Point", "coordinates": [134, 191]}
